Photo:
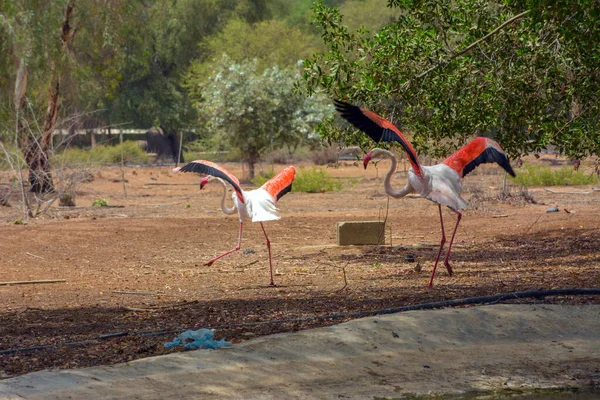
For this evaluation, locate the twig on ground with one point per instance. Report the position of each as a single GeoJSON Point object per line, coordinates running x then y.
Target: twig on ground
{"type": "Point", "coordinates": [159, 308]}
{"type": "Point", "coordinates": [138, 293]}
{"type": "Point", "coordinates": [560, 192]}
{"type": "Point", "coordinates": [169, 184]}
{"type": "Point", "coordinates": [33, 255]}
{"type": "Point", "coordinates": [531, 226]}
{"type": "Point", "coordinates": [248, 264]}
{"type": "Point", "coordinates": [32, 282]}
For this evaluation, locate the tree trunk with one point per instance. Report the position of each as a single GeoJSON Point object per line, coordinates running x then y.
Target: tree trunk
{"type": "Point", "coordinates": [35, 149]}
{"type": "Point", "coordinates": [252, 159]}
{"type": "Point", "coordinates": [40, 180]}
{"type": "Point", "coordinates": [251, 169]}
{"type": "Point", "coordinates": [37, 153]}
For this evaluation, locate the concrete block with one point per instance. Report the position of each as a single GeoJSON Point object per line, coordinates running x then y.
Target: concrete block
{"type": "Point", "coordinates": [360, 233]}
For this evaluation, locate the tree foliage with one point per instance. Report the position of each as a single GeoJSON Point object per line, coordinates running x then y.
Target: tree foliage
{"type": "Point", "coordinates": [449, 70]}
{"type": "Point", "coordinates": [252, 111]}
{"type": "Point", "coordinates": [270, 42]}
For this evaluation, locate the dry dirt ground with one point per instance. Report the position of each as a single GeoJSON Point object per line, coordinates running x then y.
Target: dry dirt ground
{"type": "Point", "coordinates": [135, 274]}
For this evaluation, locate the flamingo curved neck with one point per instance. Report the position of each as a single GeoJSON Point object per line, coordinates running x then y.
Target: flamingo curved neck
{"type": "Point", "coordinates": [226, 210]}
{"type": "Point", "coordinates": [388, 178]}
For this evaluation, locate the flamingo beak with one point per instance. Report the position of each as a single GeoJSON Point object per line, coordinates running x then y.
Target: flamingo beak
{"type": "Point", "coordinates": [203, 182]}
{"type": "Point", "coordinates": [367, 159]}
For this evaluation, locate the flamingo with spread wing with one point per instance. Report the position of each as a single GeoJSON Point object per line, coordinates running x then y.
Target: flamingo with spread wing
{"type": "Point", "coordinates": [259, 205]}
{"type": "Point", "coordinates": [439, 183]}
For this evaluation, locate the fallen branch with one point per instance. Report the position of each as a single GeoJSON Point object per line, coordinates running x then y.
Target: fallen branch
{"type": "Point", "coordinates": [32, 282]}
{"type": "Point", "coordinates": [140, 293]}
{"type": "Point", "coordinates": [65, 208]}
{"type": "Point", "coordinates": [559, 192]}
{"type": "Point", "coordinates": [33, 255]}
{"type": "Point", "coordinates": [535, 222]}
{"type": "Point", "coordinates": [500, 216]}
{"type": "Point", "coordinates": [159, 308]}
{"type": "Point", "coordinates": [249, 264]}
{"type": "Point", "coordinates": [170, 184]}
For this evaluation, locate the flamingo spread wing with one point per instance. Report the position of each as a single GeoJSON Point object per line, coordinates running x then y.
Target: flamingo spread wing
{"type": "Point", "coordinates": [261, 202]}
{"type": "Point", "coordinates": [281, 183]}
{"type": "Point", "coordinates": [210, 168]}
{"type": "Point", "coordinates": [479, 151]}
{"type": "Point", "coordinates": [378, 129]}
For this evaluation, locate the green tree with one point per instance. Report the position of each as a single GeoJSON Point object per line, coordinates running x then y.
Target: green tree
{"type": "Point", "coordinates": [161, 41]}
{"type": "Point", "coordinates": [271, 42]}
{"type": "Point", "coordinates": [40, 36]}
{"type": "Point", "coordinates": [59, 58]}
{"type": "Point", "coordinates": [450, 70]}
{"type": "Point", "coordinates": [252, 111]}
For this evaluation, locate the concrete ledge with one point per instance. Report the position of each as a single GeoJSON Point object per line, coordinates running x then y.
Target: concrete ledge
{"type": "Point", "coordinates": [417, 353]}
{"type": "Point", "coordinates": [360, 233]}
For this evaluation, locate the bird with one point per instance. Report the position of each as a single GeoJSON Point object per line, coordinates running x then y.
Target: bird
{"type": "Point", "coordinates": [259, 205]}
{"type": "Point", "coordinates": [440, 183]}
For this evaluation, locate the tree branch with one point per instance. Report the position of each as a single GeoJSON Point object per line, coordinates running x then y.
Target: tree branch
{"type": "Point", "coordinates": [466, 49]}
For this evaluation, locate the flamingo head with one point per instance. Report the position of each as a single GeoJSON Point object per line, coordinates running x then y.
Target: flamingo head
{"type": "Point", "coordinates": [204, 181]}
{"type": "Point", "coordinates": [367, 159]}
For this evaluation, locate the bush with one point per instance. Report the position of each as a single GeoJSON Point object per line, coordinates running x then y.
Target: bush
{"type": "Point", "coordinates": [539, 175]}
{"type": "Point", "coordinates": [100, 203]}
{"type": "Point", "coordinates": [315, 180]}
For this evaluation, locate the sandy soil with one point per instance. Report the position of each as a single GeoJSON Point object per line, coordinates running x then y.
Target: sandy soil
{"type": "Point", "coordinates": [138, 270]}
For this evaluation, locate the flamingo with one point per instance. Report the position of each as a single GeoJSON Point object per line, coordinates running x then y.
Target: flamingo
{"type": "Point", "coordinates": [258, 205]}
{"type": "Point", "coordinates": [439, 183]}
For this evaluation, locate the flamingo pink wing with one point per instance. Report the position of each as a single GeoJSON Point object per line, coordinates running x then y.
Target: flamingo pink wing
{"type": "Point", "coordinates": [210, 168]}
{"type": "Point", "coordinates": [478, 151]}
{"type": "Point", "coordinates": [378, 129]}
{"type": "Point", "coordinates": [281, 183]}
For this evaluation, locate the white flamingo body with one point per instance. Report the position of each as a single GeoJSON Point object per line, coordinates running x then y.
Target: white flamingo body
{"type": "Point", "coordinates": [439, 183]}
{"type": "Point", "coordinates": [258, 205]}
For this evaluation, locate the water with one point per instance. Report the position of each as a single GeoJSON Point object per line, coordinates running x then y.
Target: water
{"type": "Point", "coordinates": [559, 395]}
{"type": "Point", "coordinates": [556, 396]}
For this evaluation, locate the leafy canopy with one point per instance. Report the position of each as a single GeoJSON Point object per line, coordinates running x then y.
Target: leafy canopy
{"type": "Point", "coordinates": [521, 72]}
{"type": "Point", "coordinates": [252, 111]}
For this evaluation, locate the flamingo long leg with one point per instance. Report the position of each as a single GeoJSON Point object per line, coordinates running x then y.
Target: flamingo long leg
{"type": "Point", "coordinates": [443, 241]}
{"type": "Point", "coordinates": [269, 248]}
{"type": "Point", "coordinates": [239, 245]}
{"type": "Point", "coordinates": [446, 263]}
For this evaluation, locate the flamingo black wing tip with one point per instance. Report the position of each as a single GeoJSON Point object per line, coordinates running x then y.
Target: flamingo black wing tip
{"type": "Point", "coordinates": [284, 191]}
{"type": "Point", "coordinates": [190, 167]}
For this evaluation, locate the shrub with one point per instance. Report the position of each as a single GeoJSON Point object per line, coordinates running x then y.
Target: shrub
{"type": "Point", "coordinates": [67, 200]}
{"type": "Point", "coordinates": [315, 180]}
{"type": "Point", "coordinates": [539, 175]}
{"type": "Point", "coordinates": [100, 203]}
